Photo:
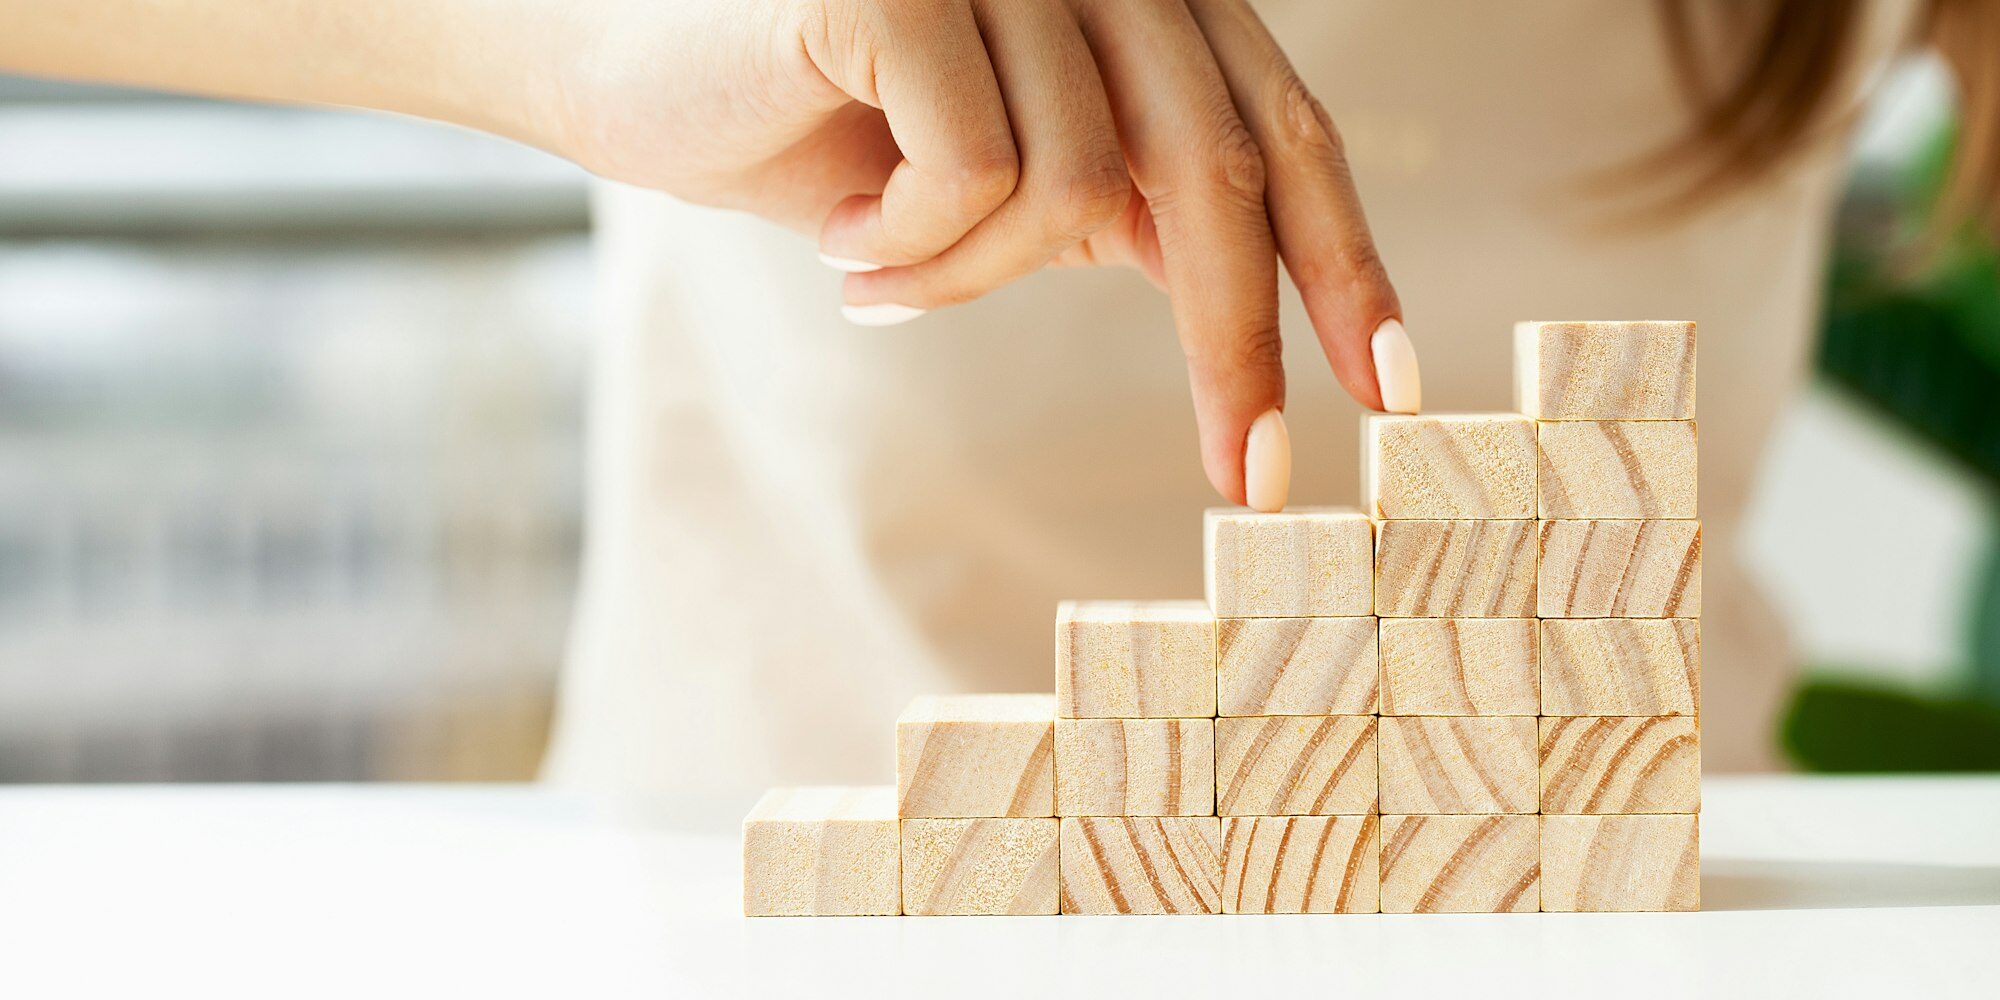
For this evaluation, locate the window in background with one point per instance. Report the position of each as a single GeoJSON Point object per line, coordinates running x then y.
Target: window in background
{"type": "Point", "coordinates": [289, 441]}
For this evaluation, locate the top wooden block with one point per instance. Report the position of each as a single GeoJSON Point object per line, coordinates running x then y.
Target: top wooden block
{"type": "Point", "coordinates": [1135, 660]}
{"type": "Point", "coordinates": [1307, 562]}
{"type": "Point", "coordinates": [1640, 370]}
{"type": "Point", "coordinates": [1448, 466]}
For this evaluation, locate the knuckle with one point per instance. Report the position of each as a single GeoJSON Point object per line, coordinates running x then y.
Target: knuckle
{"type": "Point", "coordinates": [1352, 269]}
{"type": "Point", "coordinates": [1251, 348]}
{"type": "Point", "coordinates": [1304, 125]}
{"type": "Point", "coordinates": [984, 180]}
{"type": "Point", "coordinates": [1089, 197]}
{"type": "Point", "coordinates": [1232, 161]}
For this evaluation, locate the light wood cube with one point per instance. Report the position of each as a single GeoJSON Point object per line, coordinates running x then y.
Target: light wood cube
{"type": "Point", "coordinates": [822, 851]}
{"type": "Point", "coordinates": [1617, 468]}
{"type": "Point", "coordinates": [1128, 864]}
{"type": "Point", "coordinates": [1621, 666]}
{"type": "Point", "coordinates": [1455, 569]}
{"type": "Point", "coordinates": [1135, 767]}
{"type": "Point", "coordinates": [1460, 666]}
{"type": "Point", "coordinates": [1461, 465]}
{"type": "Point", "coordinates": [1620, 569]}
{"type": "Point", "coordinates": [1295, 666]}
{"type": "Point", "coordinates": [966, 756]}
{"type": "Point", "coordinates": [1003, 867]}
{"type": "Point", "coordinates": [1295, 765]}
{"type": "Point", "coordinates": [1301, 864]}
{"type": "Point", "coordinates": [1134, 659]}
{"type": "Point", "coordinates": [1621, 764]}
{"type": "Point", "coordinates": [1620, 863]}
{"type": "Point", "coordinates": [1605, 370]}
{"type": "Point", "coordinates": [1459, 765]}
{"type": "Point", "coordinates": [1460, 864]}
{"type": "Point", "coordinates": [1308, 562]}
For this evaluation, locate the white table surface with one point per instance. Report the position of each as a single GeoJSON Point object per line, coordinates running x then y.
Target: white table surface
{"type": "Point", "coordinates": [1812, 887]}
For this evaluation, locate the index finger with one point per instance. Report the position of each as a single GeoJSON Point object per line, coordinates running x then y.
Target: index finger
{"type": "Point", "coordinates": [1315, 212]}
{"type": "Point", "coordinates": [1201, 172]}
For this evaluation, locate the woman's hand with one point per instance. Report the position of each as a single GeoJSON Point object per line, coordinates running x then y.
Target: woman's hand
{"type": "Point", "coordinates": [943, 148]}
{"type": "Point", "coordinates": [940, 148]}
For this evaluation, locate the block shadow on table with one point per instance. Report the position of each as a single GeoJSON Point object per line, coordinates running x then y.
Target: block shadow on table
{"type": "Point", "coordinates": [1751, 884]}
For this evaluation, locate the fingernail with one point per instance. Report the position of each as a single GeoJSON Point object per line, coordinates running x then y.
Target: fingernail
{"type": "Point", "coordinates": [1396, 368]}
{"type": "Point", "coordinates": [848, 264]}
{"type": "Point", "coordinates": [881, 314]}
{"type": "Point", "coordinates": [1267, 463]}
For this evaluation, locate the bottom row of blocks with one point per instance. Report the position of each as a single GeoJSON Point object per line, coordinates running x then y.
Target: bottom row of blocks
{"type": "Point", "coordinates": [850, 859]}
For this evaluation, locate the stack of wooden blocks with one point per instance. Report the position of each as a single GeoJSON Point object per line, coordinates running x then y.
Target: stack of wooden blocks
{"type": "Point", "coordinates": [1479, 695]}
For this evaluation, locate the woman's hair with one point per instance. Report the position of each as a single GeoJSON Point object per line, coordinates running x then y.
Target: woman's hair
{"type": "Point", "coordinates": [1789, 83]}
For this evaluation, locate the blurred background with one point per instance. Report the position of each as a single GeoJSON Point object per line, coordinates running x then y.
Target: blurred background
{"type": "Point", "coordinates": [290, 449]}
{"type": "Point", "coordinates": [289, 441]}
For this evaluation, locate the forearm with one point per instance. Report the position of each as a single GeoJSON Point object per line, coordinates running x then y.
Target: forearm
{"type": "Point", "coordinates": [486, 64]}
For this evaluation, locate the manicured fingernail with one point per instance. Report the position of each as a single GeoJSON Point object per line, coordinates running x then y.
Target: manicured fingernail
{"type": "Point", "coordinates": [1267, 463]}
{"type": "Point", "coordinates": [848, 264]}
{"type": "Point", "coordinates": [1396, 368]}
{"type": "Point", "coordinates": [881, 314]}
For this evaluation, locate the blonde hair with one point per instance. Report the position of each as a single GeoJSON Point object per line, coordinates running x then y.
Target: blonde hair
{"type": "Point", "coordinates": [1785, 88]}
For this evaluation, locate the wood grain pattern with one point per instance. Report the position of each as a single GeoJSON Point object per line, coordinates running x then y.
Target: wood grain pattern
{"type": "Point", "coordinates": [1295, 666]}
{"type": "Point", "coordinates": [966, 756]}
{"type": "Point", "coordinates": [1135, 767]}
{"type": "Point", "coordinates": [1621, 764]}
{"type": "Point", "coordinates": [1301, 864]}
{"type": "Point", "coordinates": [1458, 465]}
{"type": "Point", "coordinates": [1295, 765]}
{"type": "Point", "coordinates": [1308, 562]}
{"type": "Point", "coordinates": [1460, 864]}
{"type": "Point", "coordinates": [1617, 468]}
{"type": "Point", "coordinates": [997, 867]}
{"type": "Point", "coordinates": [1621, 666]}
{"type": "Point", "coordinates": [1605, 370]}
{"type": "Point", "coordinates": [1620, 863]}
{"type": "Point", "coordinates": [1158, 864]}
{"type": "Point", "coordinates": [1458, 765]}
{"type": "Point", "coordinates": [1455, 569]}
{"type": "Point", "coordinates": [1135, 659]}
{"type": "Point", "coordinates": [1619, 569]}
{"type": "Point", "coordinates": [1460, 666]}
{"type": "Point", "coordinates": [822, 851]}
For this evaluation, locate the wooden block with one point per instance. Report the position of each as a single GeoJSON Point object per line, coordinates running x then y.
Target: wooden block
{"type": "Point", "coordinates": [1295, 765]}
{"type": "Point", "coordinates": [1621, 764]}
{"type": "Point", "coordinates": [1617, 468]}
{"type": "Point", "coordinates": [1460, 465]}
{"type": "Point", "coordinates": [1125, 864]}
{"type": "Point", "coordinates": [1301, 864]}
{"type": "Point", "coordinates": [1308, 562]}
{"type": "Point", "coordinates": [1134, 659]}
{"type": "Point", "coordinates": [1605, 371]}
{"type": "Point", "coordinates": [1004, 867]}
{"type": "Point", "coordinates": [1459, 765]}
{"type": "Point", "coordinates": [1460, 864]}
{"type": "Point", "coordinates": [1295, 666]}
{"type": "Point", "coordinates": [823, 851]}
{"type": "Point", "coordinates": [1621, 666]}
{"type": "Point", "coordinates": [1460, 666]}
{"type": "Point", "coordinates": [1455, 569]}
{"type": "Point", "coordinates": [1620, 863]}
{"type": "Point", "coordinates": [1135, 767]}
{"type": "Point", "coordinates": [964, 756]}
{"type": "Point", "coordinates": [1619, 569]}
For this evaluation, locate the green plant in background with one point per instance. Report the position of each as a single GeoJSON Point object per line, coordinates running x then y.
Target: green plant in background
{"type": "Point", "coordinates": [1920, 346]}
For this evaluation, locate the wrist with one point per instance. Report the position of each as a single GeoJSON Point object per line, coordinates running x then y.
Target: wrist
{"type": "Point", "coordinates": [505, 66]}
